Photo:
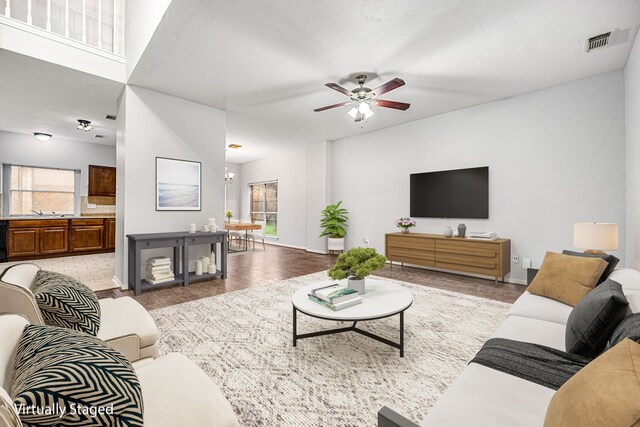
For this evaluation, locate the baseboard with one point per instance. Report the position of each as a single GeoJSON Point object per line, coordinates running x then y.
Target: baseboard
{"type": "Point", "coordinates": [522, 282]}
{"type": "Point", "coordinates": [118, 283]}
{"type": "Point", "coordinates": [285, 245]}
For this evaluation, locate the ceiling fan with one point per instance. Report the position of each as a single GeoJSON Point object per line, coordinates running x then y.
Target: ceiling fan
{"type": "Point", "coordinates": [362, 97]}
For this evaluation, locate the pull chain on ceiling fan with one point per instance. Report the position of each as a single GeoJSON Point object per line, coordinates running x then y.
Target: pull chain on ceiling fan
{"type": "Point", "coordinates": [362, 97]}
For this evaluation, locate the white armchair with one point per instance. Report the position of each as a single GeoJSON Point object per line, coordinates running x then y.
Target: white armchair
{"type": "Point", "coordinates": [124, 324]}
{"type": "Point", "coordinates": [175, 391]}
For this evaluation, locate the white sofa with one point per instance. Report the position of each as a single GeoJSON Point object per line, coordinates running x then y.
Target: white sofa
{"type": "Point", "coordinates": [483, 397]}
{"type": "Point", "coordinates": [124, 323]}
{"type": "Point", "coordinates": [175, 391]}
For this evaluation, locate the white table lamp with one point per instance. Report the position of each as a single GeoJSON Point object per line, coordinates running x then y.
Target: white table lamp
{"type": "Point", "coordinates": [595, 237]}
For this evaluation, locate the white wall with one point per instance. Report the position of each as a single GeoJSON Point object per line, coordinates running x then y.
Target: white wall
{"type": "Point", "coordinates": [289, 170]}
{"type": "Point", "coordinates": [142, 18]}
{"type": "Point", "coordinates": [20, 149]}
{"type": "Point", "coordinates": [160, 125]}
{"type": "Point", "coordinates": [556, 156]}
{"type": "Point", "coordinates": [318, 193]}
{"type": "Point", "coordinates": [632, 122]}
{"type": "Point", "coordinates": [233, 193]}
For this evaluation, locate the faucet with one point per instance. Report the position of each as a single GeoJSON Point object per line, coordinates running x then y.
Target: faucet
{"type": "Point", "coordinates": [36, 212]}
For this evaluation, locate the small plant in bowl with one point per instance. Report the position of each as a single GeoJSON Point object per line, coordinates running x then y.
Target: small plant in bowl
{"type": "Point", "coordinates": [405, 224]}
{"type": "Point", "coordinates": [229, 215]}
{"type": "Point", "coordinates": [356, 264]}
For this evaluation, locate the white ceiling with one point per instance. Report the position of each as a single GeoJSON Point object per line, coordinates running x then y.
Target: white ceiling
{"type": "Point", "coordinates": [266, 62]}
{"type": "Point", "coordinates": [38, 96]}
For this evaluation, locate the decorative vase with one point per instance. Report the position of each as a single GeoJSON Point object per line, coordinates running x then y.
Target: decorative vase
{"type": "Point", "coordinates": [211, 269]}
{"type": "Point", "coordinates": [205, 263]}
{"type": "Point", "coordinates": [335, 244]}
{"type": "Point", "coordinates": [356, 284]}
{"type": "Point", "coordinates": [462, 230]}
{"type": "Point", "coordinates": [192, 228]}
{"type": "Point", "coordinates": [405, 230]}
{"type": "Point", "coordinates": [198, 268]}
{"type": "Point", "coordinates": [447, 232]}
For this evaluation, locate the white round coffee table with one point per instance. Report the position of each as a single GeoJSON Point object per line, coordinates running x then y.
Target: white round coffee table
{"type": "Point", "coordinates": [381, 299]}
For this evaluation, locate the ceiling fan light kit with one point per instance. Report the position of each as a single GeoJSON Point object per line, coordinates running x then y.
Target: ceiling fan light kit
{"type": "Point", "coordinates": [362, 97]}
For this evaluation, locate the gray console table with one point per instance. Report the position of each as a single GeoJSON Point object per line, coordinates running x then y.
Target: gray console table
{"type": "Point", "coordinates": [180, 242]}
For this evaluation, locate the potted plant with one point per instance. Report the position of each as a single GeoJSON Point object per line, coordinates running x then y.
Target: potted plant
{"type": "Point", "coordinates": [229, 215]}
{"type": "Point", "coordinates": [334, 223]}
{"type": "Point", "coordinates": [356, 264]}
{"type": "Point", "coordinates": [405, 224]}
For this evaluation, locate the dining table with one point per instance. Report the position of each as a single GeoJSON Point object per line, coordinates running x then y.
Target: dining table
{"type": "Point", "coordinates": [241, 226]}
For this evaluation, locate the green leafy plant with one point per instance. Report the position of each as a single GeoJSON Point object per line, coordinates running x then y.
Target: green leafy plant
{"type": "Point", "coordinates": [228, 214]}
{"type": "Point", "coordinates": [358, 263]}
{"type": "Point", "coordinates": [334, 221]}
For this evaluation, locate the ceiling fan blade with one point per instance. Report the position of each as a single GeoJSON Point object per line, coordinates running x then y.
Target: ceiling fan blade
{"type": "Point", "coordinates": [339, 88]}
{"type": "Point", "coordinates": [388, 86]}
{"type": "Point", "coordinates": [328, 107]}
{"type": "Point", "coordinates": [392, 104]}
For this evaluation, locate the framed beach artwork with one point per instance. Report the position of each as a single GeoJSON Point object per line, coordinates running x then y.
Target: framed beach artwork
{"type": "Point", "coordinates": [178, 185]}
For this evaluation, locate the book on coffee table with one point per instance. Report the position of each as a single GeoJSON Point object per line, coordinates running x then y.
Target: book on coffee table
{"type": "Point", "coordinates": [337, 306]}
{"type": "Point", "coordinates": [335, 293]}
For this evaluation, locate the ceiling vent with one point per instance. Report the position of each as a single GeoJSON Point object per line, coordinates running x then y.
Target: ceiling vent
{"type": "Point", "coordinates": [100, 136]}
{"type": "Point", "coordinates": [110, 117]}
{"type": "Point", "coordinates": [598, 42]}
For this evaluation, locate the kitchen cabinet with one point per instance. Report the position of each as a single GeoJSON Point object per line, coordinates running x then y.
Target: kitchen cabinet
{"type": "Point", "coordinates": [44, 238]}
{"type": "Point", "coordinates": [23, 242]}
{"type": "Point", "coordinates": [110, 233]}
{"type": "Point", "coordinates": [54, 240]}
{"type": "Point", "coordinates": [86, 235]}
{"type": "Point", "coordinates": [102, 181]}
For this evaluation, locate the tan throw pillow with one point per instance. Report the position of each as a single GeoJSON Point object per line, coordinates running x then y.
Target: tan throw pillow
{"type": "Point", "coordinates": [606, 392]}
{"type": "Point", "coordinates": [566, 278]}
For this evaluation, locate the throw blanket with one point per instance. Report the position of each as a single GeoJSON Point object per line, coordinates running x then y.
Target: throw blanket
{"type": "Point", "coordinates": [541, 365]}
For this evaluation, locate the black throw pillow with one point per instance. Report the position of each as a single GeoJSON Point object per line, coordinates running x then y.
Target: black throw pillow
{"type": "Point", "coordinates": [594, 318]}
{"type": "Point", "coordinates": [612, 262]}
{"type": "Point", "coordinates": [628, 328]}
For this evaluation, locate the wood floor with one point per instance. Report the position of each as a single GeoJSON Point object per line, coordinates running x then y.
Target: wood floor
{"type": "Point", "coordinates": [280, 263]}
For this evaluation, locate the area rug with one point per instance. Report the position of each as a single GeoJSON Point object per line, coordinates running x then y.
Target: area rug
{"type": "Point", "coordinates": [243, 341]}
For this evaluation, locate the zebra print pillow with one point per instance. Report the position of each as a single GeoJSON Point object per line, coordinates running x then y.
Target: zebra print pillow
{"type": "Point", "coordinates": [66, 302]}
{"type": "Point", "coordinates": [66, 378]}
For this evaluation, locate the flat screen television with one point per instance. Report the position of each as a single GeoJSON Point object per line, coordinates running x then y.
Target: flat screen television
{"type": "Point", "coordinates": [462, 193]}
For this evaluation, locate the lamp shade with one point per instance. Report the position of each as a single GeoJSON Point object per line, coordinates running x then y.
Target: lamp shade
{"type": "Point", "coordinates": [595, 235]}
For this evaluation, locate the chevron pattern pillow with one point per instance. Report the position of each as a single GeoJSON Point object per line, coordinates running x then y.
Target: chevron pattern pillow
{"type": "Point", "coordinates": [66, 302]}
{"type": "Point", "coordinates": [66, 378]}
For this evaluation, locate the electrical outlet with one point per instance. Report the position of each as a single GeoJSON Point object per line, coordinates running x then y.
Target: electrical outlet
{"type": "Point", "coordinates": [366, 242]}
{"type": "Point", "coordinates": [515, 259]}
{"type": "Point", "coordinates": [91, 206]}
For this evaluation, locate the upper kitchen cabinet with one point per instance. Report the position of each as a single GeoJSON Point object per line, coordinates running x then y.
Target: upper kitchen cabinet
{"type": "Point", "coordinates": [102, 181]}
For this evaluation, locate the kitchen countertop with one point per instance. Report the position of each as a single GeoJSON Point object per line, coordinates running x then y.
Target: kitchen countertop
{"type": "Point", "coordinates": [22, 218]}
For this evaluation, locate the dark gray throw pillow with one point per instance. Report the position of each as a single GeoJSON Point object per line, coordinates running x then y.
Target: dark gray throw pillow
{"type": "Point", "coordinates": [594, 318]}
{"type": "Point", "coordinates": [612, 262]}
{"type": "Point", "coordinates": [628, 328]}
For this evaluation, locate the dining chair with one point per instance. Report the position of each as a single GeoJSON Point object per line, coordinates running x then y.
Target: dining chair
{"type": "Point", "coordinates": [258, 234]}
{"type": "Point", "coordinates": [235, 235]}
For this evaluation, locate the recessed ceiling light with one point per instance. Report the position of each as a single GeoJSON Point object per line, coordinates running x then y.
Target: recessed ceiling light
{"type": "Point", "coordinates": [42, 136]}
{"type": "Point", "coordinates": [234, 146]}
{"type": "Point", "coordinates": [84, 125]}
